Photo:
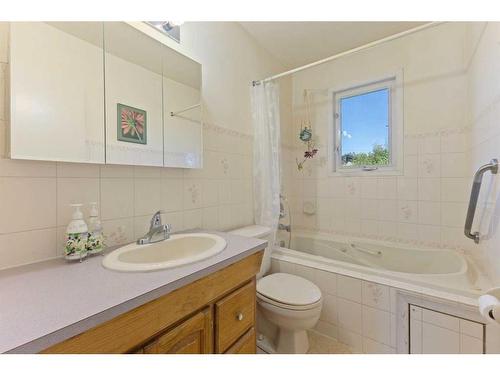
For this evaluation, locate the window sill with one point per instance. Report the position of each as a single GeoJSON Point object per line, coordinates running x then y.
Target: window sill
{"type": "Point", "coordinates": [360, 173]}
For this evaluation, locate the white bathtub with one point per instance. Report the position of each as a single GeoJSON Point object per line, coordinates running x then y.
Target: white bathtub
{"type": "Point", "coordinates": [442, 268]}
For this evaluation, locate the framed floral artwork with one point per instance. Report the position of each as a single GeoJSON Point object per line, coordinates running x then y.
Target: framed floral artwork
{"type": "Point", "coordinates": [132, 124]}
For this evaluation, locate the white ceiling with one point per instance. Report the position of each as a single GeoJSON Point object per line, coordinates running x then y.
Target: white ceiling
{"type": "Point", "coordinates": [298, 43]}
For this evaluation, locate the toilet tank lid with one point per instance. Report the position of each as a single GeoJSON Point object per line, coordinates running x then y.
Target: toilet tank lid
{"type": "Point", "coordinates": [257, 231]}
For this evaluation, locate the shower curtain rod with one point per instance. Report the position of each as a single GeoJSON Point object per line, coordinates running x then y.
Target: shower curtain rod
{"type": "Point", "coordinates": [348, 52]}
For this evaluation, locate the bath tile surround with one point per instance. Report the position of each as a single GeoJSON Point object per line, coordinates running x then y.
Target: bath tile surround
{"type": "Point", "coordinates": [372, 318]}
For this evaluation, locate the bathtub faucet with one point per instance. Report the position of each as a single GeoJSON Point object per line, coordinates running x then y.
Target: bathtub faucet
{"type": "Point", "coordinates": [284, 227]}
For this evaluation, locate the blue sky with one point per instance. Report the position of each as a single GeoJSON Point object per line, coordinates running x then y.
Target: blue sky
{"type": "Point", "coordinates": [364, 121]}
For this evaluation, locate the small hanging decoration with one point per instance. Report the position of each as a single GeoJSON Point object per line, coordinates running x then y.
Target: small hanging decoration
{"type": "Point", "coordinates": [306, 136]}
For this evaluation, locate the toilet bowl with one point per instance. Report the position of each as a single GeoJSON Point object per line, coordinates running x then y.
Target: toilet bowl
{"type": "Point", "coordinates": [292, 303]}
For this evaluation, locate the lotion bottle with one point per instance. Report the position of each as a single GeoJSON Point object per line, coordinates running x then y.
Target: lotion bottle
{"type": "Point", "coordinates": [95, 241]}
{"type": "Point", "coordinates": [76, 235]}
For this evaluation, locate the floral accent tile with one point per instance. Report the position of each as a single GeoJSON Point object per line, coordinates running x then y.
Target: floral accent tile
{"type": "Point", "coordinates": [225, 165]}
{"type": "Point", "coordinates": [194, 191]}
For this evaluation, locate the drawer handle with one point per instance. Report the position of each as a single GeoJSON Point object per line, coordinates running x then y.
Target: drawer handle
{"type": "Point", "coordinates": [239, 316]}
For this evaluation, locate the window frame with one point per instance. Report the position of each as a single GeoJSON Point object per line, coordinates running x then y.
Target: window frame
{"type": "Point", "coordinates": [393, 82]}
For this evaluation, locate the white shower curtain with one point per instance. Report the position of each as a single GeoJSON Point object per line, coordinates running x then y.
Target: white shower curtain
{"type": "Point", "coordinates": [266, 153]}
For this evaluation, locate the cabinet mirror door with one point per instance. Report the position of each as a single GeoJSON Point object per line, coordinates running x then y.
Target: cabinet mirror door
{"type": "Point", "coordinates": [182, 111]}
{"type": "Point", "coordinates": [134, 116]}
{"type": "Point", "coordinates": [57, 91]}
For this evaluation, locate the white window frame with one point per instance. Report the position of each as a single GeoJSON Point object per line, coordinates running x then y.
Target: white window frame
{"type": "Point", "coordinates": [393, 82]}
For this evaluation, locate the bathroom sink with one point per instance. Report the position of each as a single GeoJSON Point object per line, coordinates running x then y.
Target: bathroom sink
{"type": "Point", "coordinates": [178, 250]}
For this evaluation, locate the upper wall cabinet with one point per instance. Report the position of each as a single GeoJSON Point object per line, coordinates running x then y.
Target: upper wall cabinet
{"type": "Point", "coordinates": [57, 91]}
{"type": "Point", "coordinates": [103, 93]}
{"type": "Point", "coordinates": [182, 110]}
{"type": "Point", "coordinates": [134, 115]}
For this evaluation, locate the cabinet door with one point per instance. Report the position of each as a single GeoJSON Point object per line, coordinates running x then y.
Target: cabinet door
{"type": "Point", "coordinates": [194, 336]}
{"type": "Point", "coordinates": [433, 332]}
{"type": "Point", "coordinates": [134, 117]}
{"type": "Point", "coordinates": [57, 91]}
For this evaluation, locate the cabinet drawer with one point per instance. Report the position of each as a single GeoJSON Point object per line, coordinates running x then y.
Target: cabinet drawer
{"type": "Point", "coordinates": [234, 315]}
{"type": "Point", "coordinates": [245, 345]}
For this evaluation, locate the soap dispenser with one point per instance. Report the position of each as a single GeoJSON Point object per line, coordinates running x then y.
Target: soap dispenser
{"type": "Point", "coordinates": [76, 235]}
{"type": "Point", "coordinates": [95, 240]}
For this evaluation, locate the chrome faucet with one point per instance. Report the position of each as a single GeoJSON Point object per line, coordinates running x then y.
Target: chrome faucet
{"type": "Point", "coordinates": [156, 229]}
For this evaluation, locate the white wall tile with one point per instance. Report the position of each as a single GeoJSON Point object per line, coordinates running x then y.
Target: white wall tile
{"type": "Point", "coordinates": [27, 203]}
{"type": "Point", "coordinates": [350, 315]}
{"type": "Point", "coordinates": [147, 196]}
{"type": "Point", "coordinates": [454, 165]}
{"type": "Point", "coordinates": [429, 189]}
{"type": "Point", "coordinates": [172, 194]}
{"type": "Point", "coordinates": [329, 312]}
{"type": "Point", "coordinates": [118, 231]}
{"type": "Point", "coordinates": [455, 189]}
{"type": "Point", "coordinates": [429, 165]}
{"type": "Point", "coordinates": [349, 288]}
{"type": "Point", "coordinates": [117, 198]}
{"type": "Point", "coordinates": [27, 247]}
{"type": "Point", "coordinates": [326, 281]}
{"type": "Point", "coordinates": [387, 188]}
{"type": "Point", "coordinates": [376, 295]}
{"type": "Point", "coordinates": [192, 194]}
{"type": "Point", "coordinates": [407, 188]}
{"type": "Point", "coordinates": [429, 212]}
{"type": "Point", "coordinates": [377, 325]}
{"type": "Point", "coordinates": [453, 214]}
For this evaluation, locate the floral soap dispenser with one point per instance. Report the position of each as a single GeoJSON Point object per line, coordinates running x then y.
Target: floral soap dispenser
{"type": "Point", "coordinates": [76, 235]}
{"type": "Point", "coordinates": [95, 240]}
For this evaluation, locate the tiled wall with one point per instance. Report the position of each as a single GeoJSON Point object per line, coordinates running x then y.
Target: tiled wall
{"type": "Point", "coordinates": [484, 117]}
{"type": "Point", "coordinates": [34, 196]}
{"type": "Point", "coordinates": [427, 204]}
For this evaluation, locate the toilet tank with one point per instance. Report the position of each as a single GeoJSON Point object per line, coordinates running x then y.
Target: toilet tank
{"type": "Point", "coordinates": [262, 232]}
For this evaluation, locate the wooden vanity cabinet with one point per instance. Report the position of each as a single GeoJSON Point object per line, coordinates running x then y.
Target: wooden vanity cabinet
{"type": "Point", "coordinates": [215, 314]}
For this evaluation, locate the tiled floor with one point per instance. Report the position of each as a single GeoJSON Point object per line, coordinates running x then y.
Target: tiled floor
{"type": "Point", "coordinates": [319, 344]}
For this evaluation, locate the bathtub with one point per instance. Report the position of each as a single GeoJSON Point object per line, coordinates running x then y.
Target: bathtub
{"type": "Point", "coordinates": [390, 263]}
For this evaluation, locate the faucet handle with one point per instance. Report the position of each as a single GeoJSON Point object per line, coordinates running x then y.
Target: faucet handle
{"type": "Point", "coordinates": [156, 220]}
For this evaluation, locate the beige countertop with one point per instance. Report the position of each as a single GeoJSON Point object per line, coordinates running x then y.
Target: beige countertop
{"type": "Point", "coordinates": [48, 302]}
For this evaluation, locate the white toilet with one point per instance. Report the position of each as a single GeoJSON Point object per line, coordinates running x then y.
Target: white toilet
{"type": "Point", "coordinates": [290, 302]}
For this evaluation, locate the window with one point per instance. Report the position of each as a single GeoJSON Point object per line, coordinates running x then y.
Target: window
{"type": "Point", "coordinates": [367, 128]}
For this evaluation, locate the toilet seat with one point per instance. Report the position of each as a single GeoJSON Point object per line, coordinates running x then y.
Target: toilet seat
{"type": "Point", "coordinates": [262, 298]}
{"type": "Point", "coordinates": [288, 291]}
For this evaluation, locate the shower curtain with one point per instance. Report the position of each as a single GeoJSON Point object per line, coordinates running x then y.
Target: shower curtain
{"type": "Point", "coordinates": [266, 153]}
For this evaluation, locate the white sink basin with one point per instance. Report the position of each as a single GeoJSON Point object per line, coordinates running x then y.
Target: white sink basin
{"type": "Point", "coordinates": [178, 250]}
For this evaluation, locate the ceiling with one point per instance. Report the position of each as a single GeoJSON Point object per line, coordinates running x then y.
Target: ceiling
{"type": "Point", "coordinates": [298, 43]}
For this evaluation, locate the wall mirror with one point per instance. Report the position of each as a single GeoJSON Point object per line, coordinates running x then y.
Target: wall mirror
{"type": "Point", "coordinates": [57, 91]}
{"type": "Point", "coordinates": [102, 93]}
